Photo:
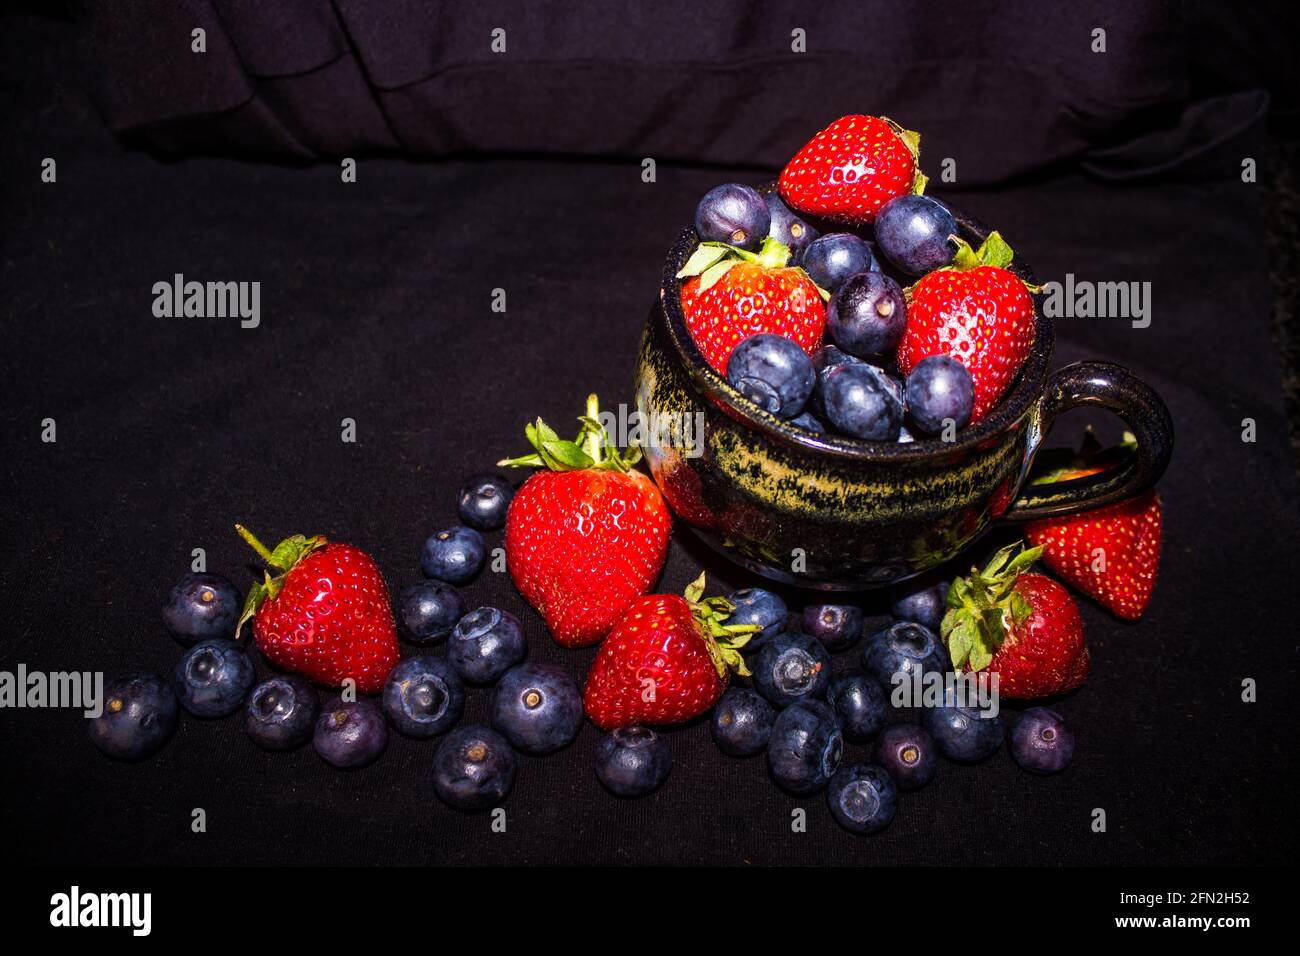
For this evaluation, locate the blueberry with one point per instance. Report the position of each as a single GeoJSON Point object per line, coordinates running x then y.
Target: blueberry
{"type": "Point", "coordinates": [773, 372]}
{"type": "Point", "coordinates": [423, 697]}
{"type": "Point", "coordinates": [831, 259]}
{"type": "Point", "coordinates": [213, 677]}
{"type": "Point", "coordinates": [484, 501]}
{"type": "Point", "coordinates": [741, 722]}
{"type": "Point", "coordinates": [453, 555]}
{"type": "Point", "coordinates": [200, 606]}
{"type": "Point", "coordinates": [862, 798]}
{"type": "Point", "coordinates": [633, 761]}
{"type": "Point", "coordinates": [904, 647]}
{"type": "Point", "coordinates": [537, 707]}
{"type": "Point", "coordinates": [473, 768]}
{"type": "Point", "coordinates": [809, 421]}
{"type": "Point", "coordinates": [140, 713]}
{"type": "Point", "coordinates": [791, 667]}
{"type": "Point", "coordinates": [427, 612]}
{"type": "Point", "coordinates": [805, 747]}
{"type": "Point", "coordinates": [280, 713]}
{"type": "Point", "coordinates": [1041, 742]}
{"type": "Point", "coordinates": [350, 734]}
{"type": "Point", "coordinates": [734, 214]}
{"type": "Point", "coordinates": [828, 357]}
{"type": "Point", "coordinates": [838, 626]}
{"type": "Point", "coordinates": [939, 390]}
{"type": "Point", "coordinates": [909, 754]}
{"type": "Point", "coordinates": [924, 601]}
{"type": "Point", "coordinates": [485, 644]}
{"type": "Point", "coordinates": [860, 705]}
{"type": "Point", "coordinates": [962, 733]}
{"type": "Point", "coordinates": [789, 229]}
{"type": "Point", "coordinates": [761, 607]}
{"type": "Point", "coordinates": [867, 315]}
{"type": "Point", "coordinates": [862, 401]}
{"type": "Point", "coordinates": [913, 231]}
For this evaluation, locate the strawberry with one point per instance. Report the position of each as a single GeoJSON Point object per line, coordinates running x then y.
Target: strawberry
{"type": "Point", "coordinates": [586, 537]}
{"type": "Point", "coordinates": [325, 614]}
{"type": "Point", "coordinates": [1022, 626]}
{"type": "Point", "coordinates": [851, 168]}
{"type": "Point", "coordinates": [730, 294]}
{"type": "Point", "coordinates": [975, 311]}
{"type": "Point", "coordinates": [668, 660]}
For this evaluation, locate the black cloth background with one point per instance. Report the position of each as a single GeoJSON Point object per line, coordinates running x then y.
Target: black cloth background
{"type": "Point", "coordinates": [376, 307]}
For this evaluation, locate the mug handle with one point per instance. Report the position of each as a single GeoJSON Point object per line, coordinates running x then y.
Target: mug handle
{"type": "Point", "coordinates": [1116, 389]}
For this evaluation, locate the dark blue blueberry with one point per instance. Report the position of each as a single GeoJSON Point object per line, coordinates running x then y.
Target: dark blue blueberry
{"type": "Point", "coordinates": [938, 390]}
{"type": "Point", "coordinates": [809, 421]}
{"type": "Point", "coordinates": [734, 214]}
{"type": "Point", "coordinates": [350, 734]}
{"type": "Point", "coordinates": [862, 798]}
{"type": "Point", "coordinates": [773, 372]}
{"type": "Point", "coordinates": [838, 626]}
{"type": "Point", "coordinates": [633, 761]}
{"type": "Point", "coordinates": [427, 612]}
{"type": "Point", "coordinates": [860, 705]}
{"type": "Point", "coordinates": [923, 601]}
{"type": "Point", "coordinates": [832, 258]}
{"type": "Point", "coordinates": [909, 754]}
{"type": "Point", "coordinates": [484, 501]}
{"type": "Point", "coordinates": [1041, 742]}
{"type": "Point", "coordinates": [281, 713]}
{"type": "Point", "coordinates": [200, 606]}
{"type": "Point", "coordinates": [867, 315]}
{"type": "Point", "coordinates": [741, 722]}
{"type": "Point", "coordinates": [423, 697]}
{"type": "Point", "coordinates": [962, 733]}
{"type": "Point", "coordinates": [862, 401]}
{"type": "Point", "coordinates": [793, 232]}
{"type": "Point", "coordinates": [485, 644]}
{"type": "Point", "coordinates": [140, 713]}
{"type": "Point", "coordinates": [828, 357]}
{"type": "Point", "coordinates": [791, 667]}
{"type": "Point", "coordinates": [213, 677]}
{"type": "Point", "coordinates": [913, 231]}
{"type": "Point", "coordinates": [761, 607]}
{"type": "Point", "coordinates": [804, 750]}
{"type": "Point", "coordinates": [473, 768]}
{"type": "Point", "coordinates": [537, 707]}
{"type": "Point", "coordinates": [904, 647]}
{"type": "Point", "coordinates": [453, 555]}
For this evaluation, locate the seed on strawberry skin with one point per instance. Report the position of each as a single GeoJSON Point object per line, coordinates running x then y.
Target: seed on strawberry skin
{"type": "Point", "coordinates": [863, 798]}
{"type": "Point", "coordinates": [485, 644]}
{"type": "Point", "coordinates": [537, 707]}
{"type": "Point", "coordinates": [200, 606]}
{"type": "Point", "coordinates": [805, 748]}
{"type": "Point", "coordinates": [423, 697]}
{"type": "Point", "coordinates": [939, 390]}
{"type": "Point", "coordinates": [633, 761]}
{"type": "Point", "coordinates": [838, 626]}
{"type": "Point", "coordinates": [484, 502]}
{"type": "Point", "coordinates": [833, 258]}
{"type": "Point", "coordinates": [773, 372]}
{"type": "Point", "coordinates": [788, 229]}
{"type": "Point", "coordinates": [909, 753]}
{"type": "Point", "coordinates": [453, 555]}
{"type": "Point", "coordinates": [904, 648]}
{"type": "Point", "coordinates": [742, 722]}
{"type": "Point", "coordinates": [140, 713]}
{"type": "Point", "coordinates": [860, 705]}
{"type": "Point", "coordinates": [867, 315]}
{"type": "Point", "coordinates": [790, 668]}
{"type": "Point", "coordinates": [350, 734]}
{"type": "Point", "coordinates": [427, 612]}
{"type": "Point", "coordinates": [213, 677]}
{"type": "Point", "coordinates": [912, 232]}
{"type": "Point", "coordinates": [1041, 742]}
{"type": "Point", "coordinates": [473, 768]}
{"type": "Point", "coordinates": [280, 713]}
{"type": "Point", "coordinates": [860, 400]}
{"type": "Point", "coordinates": [734, 214]}
{"type": "Point", "coordinates": [963, 733]}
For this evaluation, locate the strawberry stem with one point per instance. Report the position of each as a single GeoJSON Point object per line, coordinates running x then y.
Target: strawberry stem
{"type": "Point", "coordinates": [591, 441]}
{"type": "Point", "coordinates": [262, 550]}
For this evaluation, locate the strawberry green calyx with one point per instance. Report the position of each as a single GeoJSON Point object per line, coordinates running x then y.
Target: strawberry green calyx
{"type": "Point", "coordinates": [912, 140]}
{"type": "Point", "coordinates": [984, 606]}
{"type": "Point", "coordinates": [712, 260]}
{"type": "Point", "coordinates": [724, 640]}
{"type": "Point", "coordinates": [287, 554]}
{"type": "Point", "coordinates": [592, 449]}
{"type": "Point", "coordinates": [993, 251]}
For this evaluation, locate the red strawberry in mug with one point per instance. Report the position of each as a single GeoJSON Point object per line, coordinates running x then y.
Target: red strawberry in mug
{"type": "Point", "coordinates": [325, 614]}
{"type": "Point", "coordinates": [977, 312]}
{"type": "Point", "coordinates": [586, 536]}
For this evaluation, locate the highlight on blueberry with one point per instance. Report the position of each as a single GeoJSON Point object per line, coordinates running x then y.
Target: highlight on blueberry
{"type": "Point", "coordinates": [280, 714]}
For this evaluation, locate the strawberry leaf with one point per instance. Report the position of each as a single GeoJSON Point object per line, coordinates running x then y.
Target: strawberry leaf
{"type": "Point", "coordinates": [713, 273]}
{"type": "Point", "coordinates": [567, 456]}
{"type": "Point", "coordinates": [705, 255]}
{"type": "Point", "coordinates": [994, 251]}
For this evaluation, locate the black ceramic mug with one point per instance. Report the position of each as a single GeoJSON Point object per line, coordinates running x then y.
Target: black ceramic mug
{"type": "Point", "coordinates": [836, 513]}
